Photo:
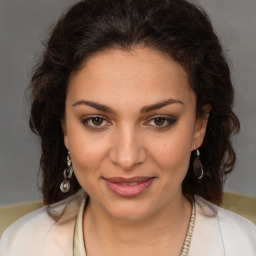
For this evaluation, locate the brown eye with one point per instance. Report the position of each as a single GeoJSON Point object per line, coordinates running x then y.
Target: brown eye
{"type": "Point", "coordinates": [159, 121]}
{"type": "Point", "coordinates": [162, 122]}
{"type": "Point", "coordinates": [97, 121]}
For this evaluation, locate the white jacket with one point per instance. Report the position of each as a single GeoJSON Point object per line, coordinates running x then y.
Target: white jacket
{"type": "Point", "coordinates": [217, 232]}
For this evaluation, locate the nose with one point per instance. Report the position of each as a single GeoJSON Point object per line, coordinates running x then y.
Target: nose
{"type": "Point", "coordinates": [127, 149]}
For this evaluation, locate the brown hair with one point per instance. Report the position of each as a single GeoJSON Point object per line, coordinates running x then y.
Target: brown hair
{"type": "Point", "coordinates": [175, 27]}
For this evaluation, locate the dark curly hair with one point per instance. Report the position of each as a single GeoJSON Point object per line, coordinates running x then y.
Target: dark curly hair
{"type": "Point", "coordinates": [174, 27]}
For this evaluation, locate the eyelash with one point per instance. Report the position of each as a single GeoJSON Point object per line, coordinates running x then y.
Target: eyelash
{"type": "Point", "coordinates": [168, 121]}
{"type": "Point", "coordinates": [86, 121]}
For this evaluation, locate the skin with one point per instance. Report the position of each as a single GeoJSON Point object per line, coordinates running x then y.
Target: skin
{"type": "Point", "coordinates": [128, 142]}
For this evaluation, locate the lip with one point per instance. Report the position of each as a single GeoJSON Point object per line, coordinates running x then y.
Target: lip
{"type": "Point", "coordinates": [128, 187]}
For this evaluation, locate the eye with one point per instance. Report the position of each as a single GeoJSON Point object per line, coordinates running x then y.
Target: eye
{"type": "Point", "coordinates": [159, 121]}
{"type": "Point", "coordinates": [162, 121]}
{"type": "Point", "coordinates": [95, 122]}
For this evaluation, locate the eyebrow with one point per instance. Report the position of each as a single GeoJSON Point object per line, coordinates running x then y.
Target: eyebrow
{"type": "Point", "coordinates": [160, 105]}
{"type": "Point", "coordinates": [145, 109]}
{"type": "Point", "coordinates": [95, 105]}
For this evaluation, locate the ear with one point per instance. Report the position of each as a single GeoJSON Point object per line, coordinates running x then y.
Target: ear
{"type": "Point", "coordinates": [64, 130]}
{"type": "Point", "coordinates": [200, 128]}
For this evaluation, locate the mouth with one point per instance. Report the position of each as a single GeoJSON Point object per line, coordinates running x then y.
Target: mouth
{"type": "Point", "coordinates": [128, 187]}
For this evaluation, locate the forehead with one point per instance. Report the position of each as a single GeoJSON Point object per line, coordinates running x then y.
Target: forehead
{"type": "Point", "coordinates": [140, 75]}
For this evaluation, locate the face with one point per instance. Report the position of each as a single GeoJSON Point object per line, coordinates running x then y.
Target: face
{"type": "Point", "coordinates": [130, 127]}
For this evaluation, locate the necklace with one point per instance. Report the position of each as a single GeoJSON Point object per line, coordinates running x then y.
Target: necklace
{"type": "Point", "coordinates": [186, 244]}
{"type": "Point", "coordinates": [79, 248]}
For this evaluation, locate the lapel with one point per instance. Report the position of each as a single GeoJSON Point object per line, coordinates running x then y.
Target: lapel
{"type": "Point", "coordinates": [206, 237]}
{"type": "Point", "coordinates": [59, 240]}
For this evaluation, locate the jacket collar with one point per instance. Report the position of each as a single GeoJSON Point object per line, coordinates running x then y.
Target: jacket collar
{"type": "Point", "coordinates": [61, 235]}
{"type": "Point", "coordinates": [206, 237]}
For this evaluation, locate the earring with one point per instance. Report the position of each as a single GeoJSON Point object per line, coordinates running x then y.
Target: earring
{"type": "Point", "coordinates": [65, 185]}
{"type": "Point", "coordinates": [198, 168]}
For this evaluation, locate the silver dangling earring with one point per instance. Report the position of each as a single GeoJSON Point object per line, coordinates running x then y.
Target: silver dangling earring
{"type": "Point", "coordinates": [198, 168]}
{"type": "Point", "coordinates": [65, 184]}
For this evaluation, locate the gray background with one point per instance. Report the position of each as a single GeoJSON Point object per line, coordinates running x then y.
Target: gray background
{"type": "Point", "coordinates": [24, 25]}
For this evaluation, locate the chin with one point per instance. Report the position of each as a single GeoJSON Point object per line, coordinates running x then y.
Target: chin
{"type": "Point", "coordinates": [129, 211]}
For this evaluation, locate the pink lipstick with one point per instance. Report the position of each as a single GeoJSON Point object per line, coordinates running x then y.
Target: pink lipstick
{"type": "Point", "coordinates": [128, 187]}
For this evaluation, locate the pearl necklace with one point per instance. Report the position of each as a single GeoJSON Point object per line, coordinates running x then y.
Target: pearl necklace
{"type": "Point", "coordinates": [79, 248]}
{"type": "Point", "coordinates": [186, 244]}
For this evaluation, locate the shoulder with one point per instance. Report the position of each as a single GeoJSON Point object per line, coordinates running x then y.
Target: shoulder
{"type": "Point", "coordinates": [238, 234]}
{"type": "Point", "coordinates": [32, 227]}
{"type": "Point", "coordinates": [227, 219]}
{"type": "Point", "coordinates": [37, 233]}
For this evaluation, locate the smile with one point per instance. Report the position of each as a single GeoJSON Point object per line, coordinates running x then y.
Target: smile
{"type": "Point", "coordinates": [128, 187]}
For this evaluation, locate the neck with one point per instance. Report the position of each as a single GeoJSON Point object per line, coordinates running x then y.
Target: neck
{"type": "Point", "coordinates": [165, 231]}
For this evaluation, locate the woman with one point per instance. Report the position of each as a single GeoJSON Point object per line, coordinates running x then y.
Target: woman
{"type": "Point", "coordinates": [133, 100]}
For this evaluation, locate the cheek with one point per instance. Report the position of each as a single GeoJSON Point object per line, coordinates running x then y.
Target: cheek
{"type": "Point", "coordinates": [173, 157]}
{"type": "Point", "coordinates": [173, 154]}
{"type": "Point", "coordinates": [86, 153]}
{"type": "Point", "coordinates": [87, 158]}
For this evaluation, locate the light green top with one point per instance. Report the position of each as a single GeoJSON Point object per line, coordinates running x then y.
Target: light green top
{"type": "Point", "coordinates": [79, 249]}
